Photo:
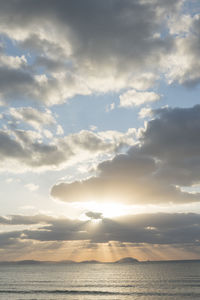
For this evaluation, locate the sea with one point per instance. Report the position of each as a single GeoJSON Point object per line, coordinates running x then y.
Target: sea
{"type": "Point", "coordinates": [149, 281]}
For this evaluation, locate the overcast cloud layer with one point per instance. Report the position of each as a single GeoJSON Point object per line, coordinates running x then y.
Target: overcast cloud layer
{"type": "Point", "coordinates": [157, 228]}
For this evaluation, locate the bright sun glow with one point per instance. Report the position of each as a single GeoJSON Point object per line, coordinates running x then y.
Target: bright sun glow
{"type": "Point", "coordinates": [95, 221]}
{"type": "Point", "coordinates": [108, 209]}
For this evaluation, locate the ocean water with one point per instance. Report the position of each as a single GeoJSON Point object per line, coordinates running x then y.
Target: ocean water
{"type": "Point", "coordinates": [154, 281]}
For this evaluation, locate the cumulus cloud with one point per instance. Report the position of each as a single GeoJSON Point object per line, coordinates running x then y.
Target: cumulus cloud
{"type": "Point", "coordinates": [24, 84]}
{"type": "Point", "coordinates": [183, 63]}
{"type": "Point", "coordinates": [144, 81]}
{"type": "Point", "coordinates": [27, 150]}
{"type": "Point", "coordinates": [134, 98]}
{"type": "Point", "coordinates": [145, 112]}
{"type": "Point", "coordinates": [74, 52]}
{"type": "Point", "coordinates": [33, 117]}
{"type": "Point", "coordinates": [42, 121]}
{"type": "Point", "coordinates": [173, 139]}
{"type": "Point", "coordinates": [80, 53]}
{"type": "Point", "coordinates": [152, 171]}
{"type": "Point", "coordinates": [12, 62]}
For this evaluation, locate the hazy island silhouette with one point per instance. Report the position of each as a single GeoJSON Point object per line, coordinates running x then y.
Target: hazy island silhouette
{"type": "Point", "coordinates": [125, 260]}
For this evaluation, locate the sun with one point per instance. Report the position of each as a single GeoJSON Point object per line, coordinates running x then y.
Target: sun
{"type": "Point", "coordinates": [95, 221]}
{"type": "Point", "coordinates": [107, 209]}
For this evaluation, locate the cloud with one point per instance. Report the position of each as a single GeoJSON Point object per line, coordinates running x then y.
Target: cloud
{"type": "Point", "coordinates": [94, 215]}
{"type": "Point", "coordinates": [183, 64]}
{"type": "Point", "coordinates": [144, 81]}
{"type": "Point", "coordinates": [32, 187]}
{"type": "Point", "coordinates": [42, 121]}
{"type": "Point", "coordinates": [21, 81]}
{"type": "Point", "coordinates": [29, 237]}
{"type": "Point", "coordinates": [110, 107]}
{"type": "Point", "coordinates": [33, 117]}
{"type": "Point", "coordinates": [24, 84]}
{"type": "Point", "coordinates": [12, 62]}
{"type": "Point", "coordinates": [28, 150]}
{"type": "Point", "coordinates": [172, 138]}
{"type": "Point", "coordinates": [74, 53]}
{"type": "Point", "coordinates": [157, 228]}
{"type": "Point", "coordinates": [79, 53]}
{"type": "Point", "coordinates": [154, 170]}
{"type": "Point", "coordinates": [145, 112]}
{"type": "Point", "coordinates": [134, 98]}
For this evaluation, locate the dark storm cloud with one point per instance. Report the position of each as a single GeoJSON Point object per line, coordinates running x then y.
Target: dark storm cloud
{"type": "Point", "coordinates": [166, 158]}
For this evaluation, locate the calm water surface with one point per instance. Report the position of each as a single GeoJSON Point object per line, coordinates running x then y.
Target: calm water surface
{"type": "Point", "coordinates": [154, 281]}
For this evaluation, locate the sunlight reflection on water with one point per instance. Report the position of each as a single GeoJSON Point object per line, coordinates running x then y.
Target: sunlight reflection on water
{"type": "Point", "coordinates": [154, 281]}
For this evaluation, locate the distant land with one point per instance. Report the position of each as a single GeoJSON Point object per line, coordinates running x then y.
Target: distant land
{"type": "Point", "coordinates": [125, 260]}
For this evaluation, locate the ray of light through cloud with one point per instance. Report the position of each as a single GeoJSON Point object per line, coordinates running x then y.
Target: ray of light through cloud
{"type": "Point", "coordinates": [99, 129]}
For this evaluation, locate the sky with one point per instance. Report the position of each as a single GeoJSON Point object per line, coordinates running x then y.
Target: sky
{"type": "Point", "coordinates": [99, 129]}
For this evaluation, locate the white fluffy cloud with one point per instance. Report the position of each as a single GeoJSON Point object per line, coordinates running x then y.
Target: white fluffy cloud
{"type": "Point", "coordinates": [145, 112]}
{"type": "Point", "coordinates": [35, 118]}
{"type": "Point", "coordinates": [183, 63]}
{"type": "Point", "coordinates": [135, 98]}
